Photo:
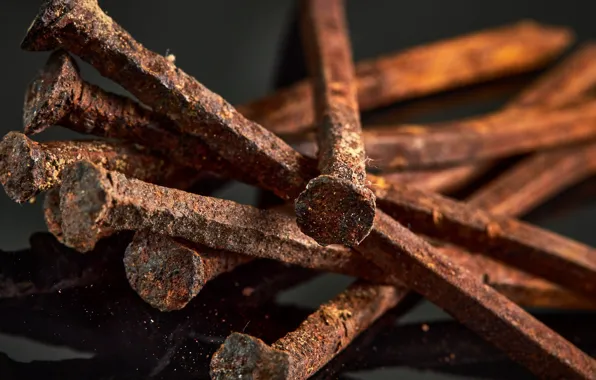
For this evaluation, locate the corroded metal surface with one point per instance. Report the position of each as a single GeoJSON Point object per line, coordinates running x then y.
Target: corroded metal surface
{"type": "Point", "coordinates": [28, 168]}
{"type": "Point", "coordinates": [537, 178]}
{"type": "Point", "coordinates": [422, 70]}
{"type": "Point", "coordinates": [168, 273]}
{"type": "Point", "coordinates": [302, 352]}
{"type": "Point", "coordinates": [543, 253]}
{"type": "Point", "coordinates": [59, 96]}
{"type": "Point", "coordinates": [473, 303]}
{"type": "Point", "coordinates": [96, 203]}
{"type": "Point", "coordinates": [81, 27]}
{"type": "Point", "coordinates": [340, 192]}
{"type": "Point", "coordinates": [568, 82]}
{"type": "Point", "coordinates": [491, 136]}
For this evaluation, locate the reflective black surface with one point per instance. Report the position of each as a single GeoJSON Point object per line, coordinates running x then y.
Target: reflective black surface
{"type": "Point", "coordinates": [102, 330]}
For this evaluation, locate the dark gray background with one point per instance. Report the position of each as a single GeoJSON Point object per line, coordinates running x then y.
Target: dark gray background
{"type": "Point", "coordinates": [232, 45]}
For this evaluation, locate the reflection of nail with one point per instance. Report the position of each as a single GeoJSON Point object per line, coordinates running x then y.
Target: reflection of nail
{"type": "Point", "coordinates": [302, 352]}
{"type": "Point", "coordinates": [340, 190]}
{"type": "Point", "coordinates": [95, 203]}
{"type": "Point", "coordinates": [168, 273]}
{"type": "Point", "coordinates": [422, 70]}
{"type": "Point", "coordinates": [49, 267]}
{"type": "Point", "coordinates": [28, 168]}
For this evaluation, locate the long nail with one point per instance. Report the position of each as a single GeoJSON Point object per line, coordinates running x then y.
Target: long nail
{"type": "Point", "coordinates": [567, 83]}
{"type": "Point", "coordinates": [212, 222]}
{"type": "Point", "coordinates": [535, 179]}
{"type": "Point", "coordinates": [59, 96]}
{"type": "Point", "coordinates": [110, 202]}
{"type": "Point", "coordinates": [496, 135]}
{"type": "Point", "coordinates": [421, 71]}
{"type": "Point", "coordinates": [545, 254]}
{"type": "Point", "coordinates": [457, 291]}
{"type": "Point", "coordinates": [169, 91]}
{"type": "Point", "coordinates": [444, 180]}
{"type": "Point", "coordinates": [302, 352]}
{"type": "Point", "coordinates": [520, 287]}
{"type": "Point", "coordinates": [28, 168]}
{"type": "Point", "coordinates": [341, 187]}
{"type": "Point", "coordinates": [168, 273]}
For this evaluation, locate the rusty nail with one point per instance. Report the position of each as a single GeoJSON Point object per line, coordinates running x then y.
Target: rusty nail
{"type": "Point", "coordinates": [521, 287]}
{"type": "Point", "coordinates": [59, 96]}
{"type": "Point", "coordinates": [75, 26]}
{"type": "Point", "coordinates": [414, 72]}
{"type": "Point", "coordinates": [168, 273]}
{"type": "Point", "coordinates": [567, 83]}
{"type": "Point", "coordinates": [482, 309]}
{"type": "Point", "coordinates": [341, 188]}
{"type": "Point", "coordinates": [87, 216]}
{"type": "Point", "coordinates": [28, 168]}
{"type": "Point", "coordinates": [540, 252]}
{"type": "Point", "coordinates": [302, 352]}
{"type": "Point", "coordinates": [536, 179]}
{"type": "Point", "coordinates": [500, 134]}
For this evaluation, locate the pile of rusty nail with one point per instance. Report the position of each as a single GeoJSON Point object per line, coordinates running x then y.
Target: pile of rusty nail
{"type": "Point", "coordinates": [393, 231]}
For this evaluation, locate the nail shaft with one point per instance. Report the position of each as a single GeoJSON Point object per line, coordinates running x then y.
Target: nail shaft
{"type": "Point", "coordinates": [444, 180]}
{"type": "Point", "coordinates": [520, 287]}
{"type": "Point", "coordinates": [28, 168]}
{"type": "Point", "coordinates": [422, 71]}
{"type": "Point", "coordinates": [81, 27]}
{"type": "Point", "coordinates": [500, 134]}
{"type": "Point", "coordinates": [545, 254]}
{"type": "Point", "coordinates": [341, 157]}
{"type": "Point", "coordinates": [59, 96]}
{"type": "Point", "coordinates": [212, 222]}
{"type": "Point", "coordinates": [488, 313]}
{"type": "Point", "coordinates": [536, 178]}
{"type": "Point", "coordinates": [567, 83]}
